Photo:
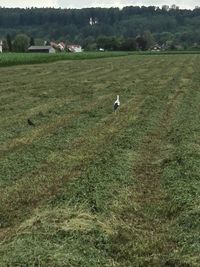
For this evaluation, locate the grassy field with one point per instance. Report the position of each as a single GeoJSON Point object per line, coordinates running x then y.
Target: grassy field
{"type": "Point", "coordinates": [12, 59]}
{"type": "Point", "coordinates": [86, 187]}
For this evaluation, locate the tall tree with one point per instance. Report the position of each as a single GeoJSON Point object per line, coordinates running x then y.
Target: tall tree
{"type": "Point", "coordinates": [148, 37]}
{"type": "Point", "coordinates": [21, 43]}
{"type": "Point", "coordinates": [9, 42]}
{"type": "Point", "coordinates": [141, 42]}
{"type": "Point", "coordinates": [32, 41]}
{"type": "Point", "coordinates": [128, 45]}
{"type": "Point", "coordinates": [5, 46]}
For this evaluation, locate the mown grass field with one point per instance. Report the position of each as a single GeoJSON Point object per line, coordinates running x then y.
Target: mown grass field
{"type": "Point", "coordinates": [86, 187]}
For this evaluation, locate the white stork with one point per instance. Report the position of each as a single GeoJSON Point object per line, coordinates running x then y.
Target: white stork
{"type": "Point", "coordinates": [116, 104]}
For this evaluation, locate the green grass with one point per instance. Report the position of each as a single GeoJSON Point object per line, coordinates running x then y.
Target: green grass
{"type": "Point", "coordinates": [170, 52]}
{"type": "Point", "coordinates": [10, 59]}
{"type": "Point", "coordinates": [86, 187]}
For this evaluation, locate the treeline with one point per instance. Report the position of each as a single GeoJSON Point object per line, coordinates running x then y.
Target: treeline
{"type": "Point", "coordinates": [144, 42]}
{"type": "Point", "coordinates": [110, 28]}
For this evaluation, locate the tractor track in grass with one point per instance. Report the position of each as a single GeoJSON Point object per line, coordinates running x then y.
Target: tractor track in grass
{"type": "Point", "coordinates": [150, 219]}
{"type": "Point", "coordinates": [148, 170]}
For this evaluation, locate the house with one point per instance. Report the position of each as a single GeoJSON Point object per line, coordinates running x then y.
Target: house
{"type": "Point", "coordinates": [1, 46]}
{"type": "Point", "coordinates": [74, 48]}
{"type": "Point", "coordinates": [156, 47]}
{"type": "Point", "coordinates": [41, 49]}
{"type": "Point", "coordinates": [60, 46]}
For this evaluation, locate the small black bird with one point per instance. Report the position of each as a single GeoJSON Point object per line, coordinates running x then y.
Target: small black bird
{"type": "Point", "coordinates": [30, 122]}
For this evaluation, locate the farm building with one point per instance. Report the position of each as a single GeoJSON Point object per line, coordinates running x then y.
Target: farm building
{"type": "Point", "coordinates": [74, 48]}
{"type": "Point", "coordinates": [41, 49]}
{"type": "Point", "coordinates": [156, 47]}
{"type": "Point", "coordinates": [60, 46]}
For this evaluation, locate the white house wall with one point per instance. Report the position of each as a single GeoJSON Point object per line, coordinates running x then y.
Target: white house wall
{"type": "Point", "coordinates": [1, 47]}
{"type": "Point", "coordinates": [78, 49]}
{"type": "Point", "coordinates": [52, 50]}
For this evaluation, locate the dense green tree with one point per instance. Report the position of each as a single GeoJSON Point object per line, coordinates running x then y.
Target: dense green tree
{"type": "Point", "coordinates": [141, 42]}
{"type": "Point", "coordinates": [91, 47]}
{"type": "Point", "coordinates": [89, 44]}
{"type": "Point", "coordinates": [108, 43]}
{"type": "Point", "coordinates": [39, 41]}
{"type": "Point", "coordinates": [9, 42]}
{"type": "Point", "coordinates": [32, 41]}
{"type": "Point", "coordinates": [21, 43]}
{"type": "Point", "coordinates": [150, 41]}
{"type": "Point", "coordinates": [164, 37]}
{"type": "Point", "coordinates": [5, 47]}
{"type": "Point", "coordinates": [128, 44]}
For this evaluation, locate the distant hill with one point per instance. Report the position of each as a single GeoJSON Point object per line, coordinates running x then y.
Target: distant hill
{"type": "Point", "coordinates": [167, 25]}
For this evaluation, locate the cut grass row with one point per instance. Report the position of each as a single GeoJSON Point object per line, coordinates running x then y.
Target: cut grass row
{"type": "Point", "coordinates": [106, 192]}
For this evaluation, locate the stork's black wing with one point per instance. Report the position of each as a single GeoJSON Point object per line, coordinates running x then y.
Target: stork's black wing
{"type": "Point", "coordinates": [116, 105]}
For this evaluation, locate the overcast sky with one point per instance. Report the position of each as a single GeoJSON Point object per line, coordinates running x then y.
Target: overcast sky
{"type": "Point", "coordinates": [100, 3]}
